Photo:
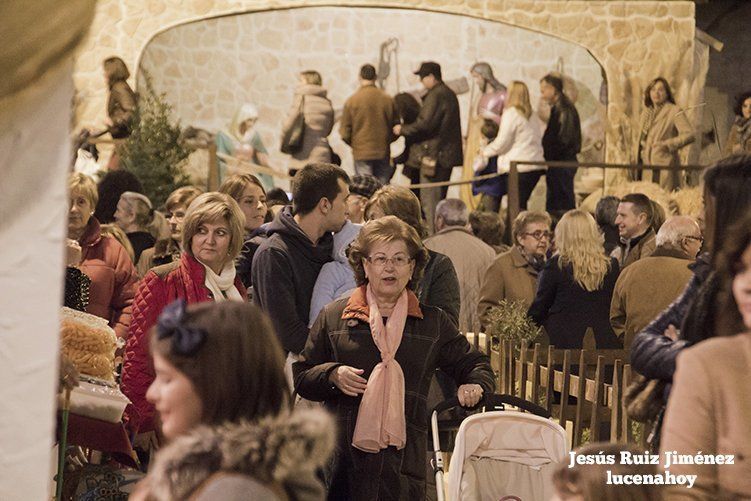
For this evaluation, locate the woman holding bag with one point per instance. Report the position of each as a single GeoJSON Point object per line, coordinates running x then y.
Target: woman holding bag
{"type": "Point", "coordinates": [318, 120]}
{"type": "Point", "coordinates": [370, 358]}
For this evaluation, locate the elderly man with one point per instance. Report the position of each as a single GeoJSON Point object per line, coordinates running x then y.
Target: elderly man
{"type": "Point", "coordinates": [362, 187]}
{"type": "Point", "coordinates": [647, 287]}
{"type": "Point", "coordinates": [470, 255]}
{"type": "Point", "coordinates": [634, 221]}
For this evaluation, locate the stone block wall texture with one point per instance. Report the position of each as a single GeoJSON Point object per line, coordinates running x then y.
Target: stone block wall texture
{"type": "Point", "coordinates": [633, 41]}
{"type": "Point", "coordinates": [207, 69]}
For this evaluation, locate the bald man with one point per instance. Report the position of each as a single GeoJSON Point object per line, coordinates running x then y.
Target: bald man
{"type": "Point", "coordinates": [649, 285]}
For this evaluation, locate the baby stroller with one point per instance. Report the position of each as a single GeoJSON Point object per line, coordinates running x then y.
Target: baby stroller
{"type": "Point", "coordinates": [500, 454]}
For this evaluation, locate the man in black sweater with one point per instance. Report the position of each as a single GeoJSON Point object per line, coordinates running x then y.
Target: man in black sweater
{"type": "Point", "coordinates": [561, 142]}
{"type": "Point", "coordinates": [286, 265]}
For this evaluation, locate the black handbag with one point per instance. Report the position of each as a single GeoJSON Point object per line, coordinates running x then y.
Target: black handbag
{"type": "Point", "coordinates": [292, 138]}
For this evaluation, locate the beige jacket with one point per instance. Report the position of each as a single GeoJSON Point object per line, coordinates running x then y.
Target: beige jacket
{"type": "Point", "coordinates": [471, 258]}
{"type": "Point", "coordinates": [366, 123]}
{"type": "Point", "coordinates": [510, 277]}
{"type": "Point", "coordinates": [644, 289]}
{"type": "Point", "coordinates": [709, 412]}
{"type": "Point", "coordinates": [319, 120]}
{"type": "Point", "coordinates": [672, 127]}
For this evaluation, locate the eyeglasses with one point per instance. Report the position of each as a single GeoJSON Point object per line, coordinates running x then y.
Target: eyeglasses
{"type": "Point", "coordinates": [699, 239]}
{"type": "Point", "coordinates": [399, 261]}
{"type": "Point", "coordinates": [540, 234]}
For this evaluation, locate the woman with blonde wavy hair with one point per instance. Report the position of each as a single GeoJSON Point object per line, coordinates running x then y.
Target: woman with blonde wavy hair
{"type": "Point", "coordinates": [576, 286]}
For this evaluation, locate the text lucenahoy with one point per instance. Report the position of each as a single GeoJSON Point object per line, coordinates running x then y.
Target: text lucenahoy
{"type": "Point", "coordinates": [659, 478]}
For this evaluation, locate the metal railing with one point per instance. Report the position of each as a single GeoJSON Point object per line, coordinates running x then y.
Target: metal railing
{"type": "Point", "coordinates": [513, 175]}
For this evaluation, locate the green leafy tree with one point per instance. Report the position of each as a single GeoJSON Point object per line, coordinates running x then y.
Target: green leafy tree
{"type": "Point", "coordinates": [153, 151]}
{"type": "Point", "coordinates": [509, 321]}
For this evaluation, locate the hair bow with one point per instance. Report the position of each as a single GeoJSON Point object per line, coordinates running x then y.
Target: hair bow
{"type": "Point", "coordinates": [186, 340]}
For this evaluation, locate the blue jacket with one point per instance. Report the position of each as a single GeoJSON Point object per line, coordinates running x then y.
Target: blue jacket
{"type": "Point", "coordinates": [336, 277]}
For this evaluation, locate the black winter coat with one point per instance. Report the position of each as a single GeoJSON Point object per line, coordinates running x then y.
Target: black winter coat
{"type": "Point", "coordinates": [437, 128]}
{"type": "Point", "coordinates": [566, 310]}
{"type": "Point", "coordinates": [440, 286]}
{"type": "Point", "coordinates": [284, 271]}
{"type": "Point", "coordinates": [428, 343]}
{"type": "Point", "coordinates": [563, 137]}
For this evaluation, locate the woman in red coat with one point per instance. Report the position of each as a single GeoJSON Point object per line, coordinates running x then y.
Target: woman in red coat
{"type": "Point", "coordinates": [103, 259]}
{"type": "Point", "coordinates": [212, 237]}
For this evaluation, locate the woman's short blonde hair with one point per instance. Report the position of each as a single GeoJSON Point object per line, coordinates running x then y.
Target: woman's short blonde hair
{"type": "Point", "coordinates": [400, 202]}
{"type": "Point", "coordinates": [385, 230]}
{"type": "Point", "coordinates": [83, 184]}
{"type": "Point", "coordinates": [518, 97]}
{"type": "Point", "coordinates": [182, 197]}
{"type": "Point", "coordinates": [211, 207]}
{"type": "Point", "coordinates": [524, 219]}
{"type": "Point", "coordinates": [311, 77]}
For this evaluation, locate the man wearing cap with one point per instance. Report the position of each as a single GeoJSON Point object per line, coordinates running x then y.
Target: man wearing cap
{"type": "Point", "coordinates": [366, 125]}
{"type": "Point", "coordinates": [436, 134]}
{"type": "Point", "coordinates": [361, 189]}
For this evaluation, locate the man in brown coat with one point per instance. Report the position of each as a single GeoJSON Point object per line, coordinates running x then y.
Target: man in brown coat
{"type": "Point", "coordinates": [513, 274]}
{"type": "Point", "coordinates": [647, 287]}
{"type": "Point", "coordinates": [634, 222]}
{"type": "Point", "coordinates": [366, 125]}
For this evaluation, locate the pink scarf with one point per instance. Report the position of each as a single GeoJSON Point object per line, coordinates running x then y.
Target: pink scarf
{"type": "Point", "coordinates": [380, 419]}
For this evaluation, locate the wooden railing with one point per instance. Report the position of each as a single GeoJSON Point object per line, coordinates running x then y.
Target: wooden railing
{"type": "Point", "coordinates": [581, 388]}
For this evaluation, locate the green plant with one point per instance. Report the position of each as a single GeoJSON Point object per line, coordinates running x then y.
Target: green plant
{"type": "Point", "coordinates": [153, 151]}
{"type": "Point", "coordinates": [509, 321]}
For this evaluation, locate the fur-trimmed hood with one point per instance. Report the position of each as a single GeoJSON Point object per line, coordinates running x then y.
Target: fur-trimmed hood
{"type": "Point", "coordinates": [286, 450]}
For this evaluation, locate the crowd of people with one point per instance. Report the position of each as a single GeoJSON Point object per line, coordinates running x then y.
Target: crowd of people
{"type": "Point", "coordinates": [357, 293]}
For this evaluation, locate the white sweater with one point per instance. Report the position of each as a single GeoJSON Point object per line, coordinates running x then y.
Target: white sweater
{"type": "Point", "coordinates": [517, 139]}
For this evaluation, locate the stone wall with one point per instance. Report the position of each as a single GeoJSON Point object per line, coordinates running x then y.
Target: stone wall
{"type": "Point", "coordinates": [207, 69]}
{"type": "Point", "coordinates": [633, 41]}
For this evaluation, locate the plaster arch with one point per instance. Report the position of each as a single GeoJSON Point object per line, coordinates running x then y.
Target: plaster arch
{"type": "Point", "coordinates": [633, 41]}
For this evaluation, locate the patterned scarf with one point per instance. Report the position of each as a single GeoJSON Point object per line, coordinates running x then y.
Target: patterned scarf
{"type": "Point", "coordinates": [744, 129]}
{"type": "Point", "coordinates": [380, 420]}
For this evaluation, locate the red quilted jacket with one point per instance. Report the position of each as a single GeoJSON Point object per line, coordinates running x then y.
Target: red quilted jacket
{"type": "Point", "coordinates": [181, 279]}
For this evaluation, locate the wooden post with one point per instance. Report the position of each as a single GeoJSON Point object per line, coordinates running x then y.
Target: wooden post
{"type": "Point", "coordinates": [581, 399]}
{"type": "Point", "coordinates": [213, 178]}
{"type": "Point", "coordinates": [513, 193]}
{"type": "Point", "coordinates": [616, 403]}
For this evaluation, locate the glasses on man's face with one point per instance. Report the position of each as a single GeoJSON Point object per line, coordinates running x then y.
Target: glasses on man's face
{"type": "Point", "coordinates": [540, 234]}
{"type": "Point", "coordinates": [380, 261]}
{"type": "Point", "coordinates": [698, 239]}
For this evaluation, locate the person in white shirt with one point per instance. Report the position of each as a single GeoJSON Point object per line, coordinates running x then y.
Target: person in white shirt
{"type": "Point", "coordinates": [519, 138]}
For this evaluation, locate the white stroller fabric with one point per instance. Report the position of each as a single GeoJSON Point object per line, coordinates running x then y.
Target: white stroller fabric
{"type": "Point", "coordinates": [505, 453]}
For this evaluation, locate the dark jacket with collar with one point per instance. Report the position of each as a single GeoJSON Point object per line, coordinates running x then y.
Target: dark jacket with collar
{"type": "Point", "coordinates": [284, 271]}
{"type": "Point", "coordinates": [635, 248]}
{"type": "Point", "coordinates": [244, 262]}
{"type": "Point", "coordinates": [440, 285]}
{"type": "Point", "coordinates": [437, 129]}
{"type": "Point", "coordinates": [563, 138]}
{"type": "Point", "coordinates": [341, 336]}
{"type": "Point", "coordinates": [567, 311]}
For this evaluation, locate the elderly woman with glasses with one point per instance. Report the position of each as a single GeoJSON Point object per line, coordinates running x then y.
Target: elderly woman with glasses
{"type": "Point", "coordinates": [513, 275]}
{"type": "Point", "coordinates": [371, 357]}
